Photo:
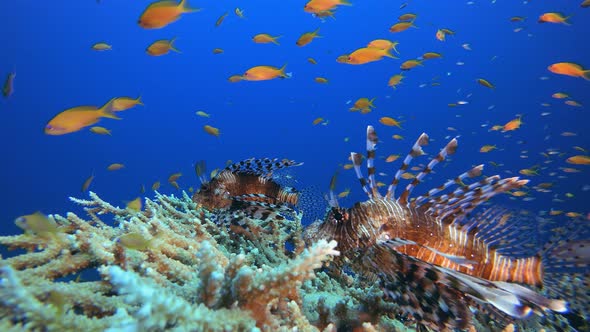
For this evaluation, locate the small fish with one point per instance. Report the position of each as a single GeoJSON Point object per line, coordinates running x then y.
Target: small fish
{"type": "Point", "coordinates": [317, 121]}
{"type": "Point", "coordinates": [102, 47]}
{"type": "Point", "coordinates": [407, 17]}
{"type": "Point", "coordinates": [203, 114]}
{"type": "Point", "coordinates": [517, 19]}
{"type": "Point", "coordinates": [239, 12]}
{"type": "Point", "coordinates": [383, 44]}
{"type": "Point", "coordinates": [87, 183]}
{"type": "Point", "coordinates": [264, 73]}
{"type": "Point", "coordinates": [162, 47]}
{"type": "Point", "coordinates": [578, 160]}
{"type": "Point", "coordinates": [321, 80]}
{"type": "Point", "coordinates": [135, 204]}
{"type": "Point", "coordinates": [37, 223]}
{"type": "Point", "coordinates": [397, 137]}
{"type": "Point", "coordinates": [217, 51]}
{"type": "Point", "coordinates": [388, 121]}
{"type": "Point", "coordinates": [125, 103]}
{"type": "Point", "coordinates": [395, 80]}
{"type": "Point", "coordinates": [512, 125]}
{"type": "Point", "coordinates": [211, 130]}
{"type": "Point", "coordinates": [315, 6]}
{"type": "Point", "coordinates": [363, 103]}
{"type": "Point", "coordinates": [342, 58]}
{"type": "Point", "coordinates": [529, 171]}
{"type": "Point", "coordinates": [569, 69]}
{"type": "Point", "coordinates": [560, 95]}
{"type": "Point", "coordinates": [156, 185]}
{"type": "Point", "coordinates": [485, 83]}
{"type": "Point", "coordinates": [312, 61]}
{"type": "Point", "coordinates": [585, 4]}
{"type": "Point", "coordinates": [348, 166]}
{"type": "Point", "coordinates": [487, 148]}
{"type": "Point", "coordinates": [367, 54]}
{"type": "Point", "coordinates": [220, 19]}
{"type": "Point", "coordinates": [440, 35]}
{"type": "Point", "coordinates": [264, 38]}
{"type": "Point", "coordinates": [401, 26]}
{"type": "Point", "coordinates": [307, 37]}
{"type": "Point", "coordinates": [407, 65]}
{"type": "Point", "coordinates": [235, 78]}
{"type": "Point", "coordinates": [76, 118]}
{"type": "Point", "coordinates": [8, 88]}
{"type": "Point", "coordinates": [161, 13]}
{"type": "Point", "coordinates": [115, 167]}
{"type": "Point", "coordinates": [553, 18]}
{"type": "Point", "coordinates": [345, 193]}
{"type": "Point", "coordinates": [431, 55]}
{"type": "Point", "coordinates": [466, 47]}
{"type": "Point", "coordinates": [573, 103]}
{"type": "Point", "coordinates": [568, 134]}
{"type": "Point", "coordinates": [391, 158]}
{"type": "Point", "coordinates": [100, 130]}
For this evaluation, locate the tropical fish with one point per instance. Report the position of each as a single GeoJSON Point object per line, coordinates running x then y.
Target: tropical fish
{"type": "Point", "coordinates": [317, 121]}
{"type": "Point", "coordinates": [264, 38]}
{"type": "Point", "coordinates": [217, 51]}
{"type": "Point", "coordinates": [485, 83]}
{"type": "Point", "coordinates": [407, 17]}
{"type": "Point", "coordinates": [560, 95]}
{"type": "Point", "coordinates": [321, 80]}
{"type": "Point", "coordinates": [264, 73]}
{"type": "Point", "coordinates": [211, 130]}
{"type": "Point", "coordinates": [8, 88]}
{"type": "Point", "coordinates": [407, 65]}
{"type": "Point", "coordinates": [401, 26]}
{"type": "Point", "coordinates": [38, 224]}
{"type": "Point", "coordinates": [431, 55]}
{"type": "Point", "coordinates": [87, 183]}
{"type": "Point", "coordinates": [553, 18]}
{"type": "Point", "coordinates": [487, 148]}
{"type": "Point", "coordinates": [161, 13]}
{"type": "Point", "coordinates": [76, 118]}
{"type": "Point", "coordinates": [239, 12]}
{"type": "Point", "coordinates": [317, 6]}
{"type": "Point", "coordinates": [362, 103]}
{"type": "Point", "coordinates": [161, 47]}
{"type": "Point", "coordinates": [579, 160]}
{"type": "Point", "coordinates": [569, 69]}
{"type": "Point", "coordinates": [430, 247]}
{"type": "Point", "coordinates": [312, 61]}
{"type": "Point", "coordinates": [125, 103]}
{"type": "Point", "coordinates": [221, 19]}
{"type": "Point", "coordinates": [135, 204]}
{"type": "Point", "coordinates": [307, 37]}
{"type": "Point", "coordinates": [395, 80]}
{"type": "Point", "coordinates": [383, 44]}
{"type": "Point", "coordinates": [235, 78]}
{"type": "Point", "coordinates": [102, 47]}
{"type": "Point", "coordinates": [115, 167]}
{"type": "Point", "coordinates": [247, 187]}
{"type": "Point", "coordinates": [135, 241]}
{"type": "Point", "coordinates": [203, 114]}
{"type": "Point", "coordinates": [100, 130]}
{"type": "Point", "coordinates": [367, 54]}
{"type": "Point", "coordinates": [512, 124]}
{"type": "Point", "coordinates": [389, 121]}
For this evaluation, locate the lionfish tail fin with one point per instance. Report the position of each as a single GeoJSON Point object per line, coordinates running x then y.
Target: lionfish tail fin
{"type": "Point", "coordinates": [416, 151]}
{"type": "Point", "coordinates": [262, 167]}
{"type": "Point", "coordinates": [449, 149]}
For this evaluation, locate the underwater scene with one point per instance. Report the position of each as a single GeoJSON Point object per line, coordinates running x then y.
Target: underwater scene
{"type": "Point", "coordinates": [314, 165]}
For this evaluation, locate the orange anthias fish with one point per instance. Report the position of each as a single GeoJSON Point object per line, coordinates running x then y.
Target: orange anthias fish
{"type": "Point", "coordinates": [318, 6]}
{"type": "Point", "coordinates": [161, 13]}
{"type": "Point", "coordinates": [307, 37]}
{"type": "Point", "coordinates": [553, 18]}
{"type": "Point", "coordinates": [8, 88]}
{"type": "Point", "coordinates": [74, 119]}
{"type": "Point", "coordinates": [125, 103]}
{"type": "Point", "coordinates": [569, 69]}
{"type": "Point", "coordinates": [367, 54]}
{"type": "Point", "coordinates": [512, 125]}
{"type": "Point", "coordinates": [384, 44]}
{"type": "Point", "coordinates": [579, 160]}
{"type": "Point", "coordinates": [161, 47]}
{"type": "Point", "coordinates": [264, 73]}
{"type": "Point", "coordinates": [264, 38]}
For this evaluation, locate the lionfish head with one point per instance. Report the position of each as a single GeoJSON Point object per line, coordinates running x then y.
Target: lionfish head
{"type": "Point", "coordinates": [212, 196]}
{"type": "Point", "coordinates": [336, 216]}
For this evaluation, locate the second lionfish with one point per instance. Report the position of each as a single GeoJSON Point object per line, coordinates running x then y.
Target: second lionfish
{"type": "Point", "coordinates": [431, 257]}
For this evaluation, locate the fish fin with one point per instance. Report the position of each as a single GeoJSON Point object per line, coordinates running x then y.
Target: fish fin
{"type": "Point", "coordinates": [414, 152]}
{"type": "Point", "coordinates": [172, 47]}
{"type": "Point", "coordinates": [107, 111]}
{"type": "Point", "coordinates": [357, 161]}
{"type": "Point", "coordinates": [274, 41]}
{"type": "Point", "coordinates": [371, 144]}
{"type": "Point", "coordinates": [388, 54]}
{"type": "Point", "coordinates": [138, 101]}
{"type": "Point", "coordinates": [345, 3]}
{"type": "Point", "coordinates": [261, 210]}
{"type": "Point", "coordinates": [371, 102]}
{"type": "Point", "coordinates": [262, 167]}
{"type": "Point", "coordinates": [475, 171]}
{"type": "Point", "coordinates": [586, 74]}
{"type": "Point", "coordinates": [183, 5]}
{"type": "Point", "coordinates": [282, 73]}
{"type": "Point", "coordinates": [449, 149]}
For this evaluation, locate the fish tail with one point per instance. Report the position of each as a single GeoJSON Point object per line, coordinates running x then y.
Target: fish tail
{"type": "Point", "coordinates": [371, 102]}
{"type": "Point", "coordinates": [586, 74]}
{"type": "Point", "coordinates": [138, 101]}
{"type": "Point", "coordinates": [274, 40]}
{"type": "Point", "coordinates": [172, 47]}
{"type": "Point", "coordinates": [282, 72]}
{"type": "Point", "coordinates": [315, 33]}
{"type": "Point", "coordinates": [388, 54]}
{"type": "Point", "coordinates": [184, 8]}
{"type": "Point", "coordinates": [108, 110]}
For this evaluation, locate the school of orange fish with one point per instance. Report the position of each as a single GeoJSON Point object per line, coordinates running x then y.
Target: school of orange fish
{"type": "Point", "coordinates": [162, 13]}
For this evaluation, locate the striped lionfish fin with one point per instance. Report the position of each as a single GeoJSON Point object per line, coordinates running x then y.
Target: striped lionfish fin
{"type": "Point", "coordinates": [371, 143]}
{"type": "Point", "coordinates": [449, 149]}
{"type": "Point", "coordinates": [357, 161]}
{"type": "Point", "coordinates": [453, 207]}
{"type": "Point", "coordinates": [260, 209]}
{"type": "Point", "coordinates": [415, 284]}
{"type": "Point", "coordinates": [414, 152]}
{"type": "Point", "coordinates": [263, 167]}
{"type": "Point", "coordinates": [474, 172]}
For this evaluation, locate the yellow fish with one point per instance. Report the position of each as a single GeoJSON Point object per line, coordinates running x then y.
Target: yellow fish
{"type": "Point", "coordinates": [135, 204]}
{"type": "Point", "coordinates": [388, 121]}
{"type": "Point", "coordinates": [203, 114]}
{"type": "Point", "coordinates": [102, 47]}
{"type": "Point", "coordinates": [307, 37]}
{"type": "Point", "coordinates": [578, 160]}
{"type": "Point", "coordinates": [125, 103]}
{"type": "Point", "coordinates": [487, 148]}
{"type": "Point", "coordinates": [211, 130]}
{"type": "Point", "coordinates": [76, 118]}
{"type": "Point", "coordinates": [37, 223]}
{"type": "Point", "coordinates": [264, 38]}
{"type": "Point", "coordinates": [363, 103]}
{"type": "Point", "coordinates": [100, 130]}
{"type": "Point", "coordinates": [115, 167]}
{"type": "Point", "coordinates": [161, 13]}
{"type": "Point", "coordinates": [161, 47]}
{"type": "Point", "coordinates": [264, 73]}
{"type": "Point", "coordinates": [395, 80]}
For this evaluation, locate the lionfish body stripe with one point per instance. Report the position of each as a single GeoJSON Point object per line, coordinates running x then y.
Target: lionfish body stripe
{"type": "Point", "coordinates": [430, 256]}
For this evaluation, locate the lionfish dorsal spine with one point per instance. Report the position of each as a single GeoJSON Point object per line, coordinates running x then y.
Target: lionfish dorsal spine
{"type": "Point", "coordinates": [371, 143]}
{"type": "Point", "coordinates": [260, 166]}
{"type": "Point", "coordinates": [475, 171]}
{"type": "Point", "coordinates": [449, 149]}
{"type": "Point", "coordinates": [357, 161]}
{"type": "Point", "coordinates": [414, 152]}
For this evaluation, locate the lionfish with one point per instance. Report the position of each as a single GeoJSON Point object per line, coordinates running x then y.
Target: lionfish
{"type": "Point", "coordinates": [431, 257]}
{"type": "Point", "coordinates": [247, 187]}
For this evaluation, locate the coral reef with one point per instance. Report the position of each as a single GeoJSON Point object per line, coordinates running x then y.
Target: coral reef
{"type": "Point", "coordinates": [171, 267]}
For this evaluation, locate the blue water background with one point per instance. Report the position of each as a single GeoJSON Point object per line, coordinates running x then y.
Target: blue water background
{"type": "Point", "coordinates": [48, 44]}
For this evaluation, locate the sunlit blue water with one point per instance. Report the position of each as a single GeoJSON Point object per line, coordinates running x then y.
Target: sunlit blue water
{"type": "Point", "coordinates": [48, 44]}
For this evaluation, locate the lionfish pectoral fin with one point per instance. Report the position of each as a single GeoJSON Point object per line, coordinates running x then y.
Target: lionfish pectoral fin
{"type": "Point", "coordinates": [262, 167]}
{"type": "Point", "coordinates": [459, 260]}
{"type": "Point", "coordinates": [372, 140]}
{"type": "Point", "coordinates": [357, 161]}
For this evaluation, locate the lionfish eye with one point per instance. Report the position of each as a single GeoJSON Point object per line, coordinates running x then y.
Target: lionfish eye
{"type": "Point", "coordinates": [338, 216]}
